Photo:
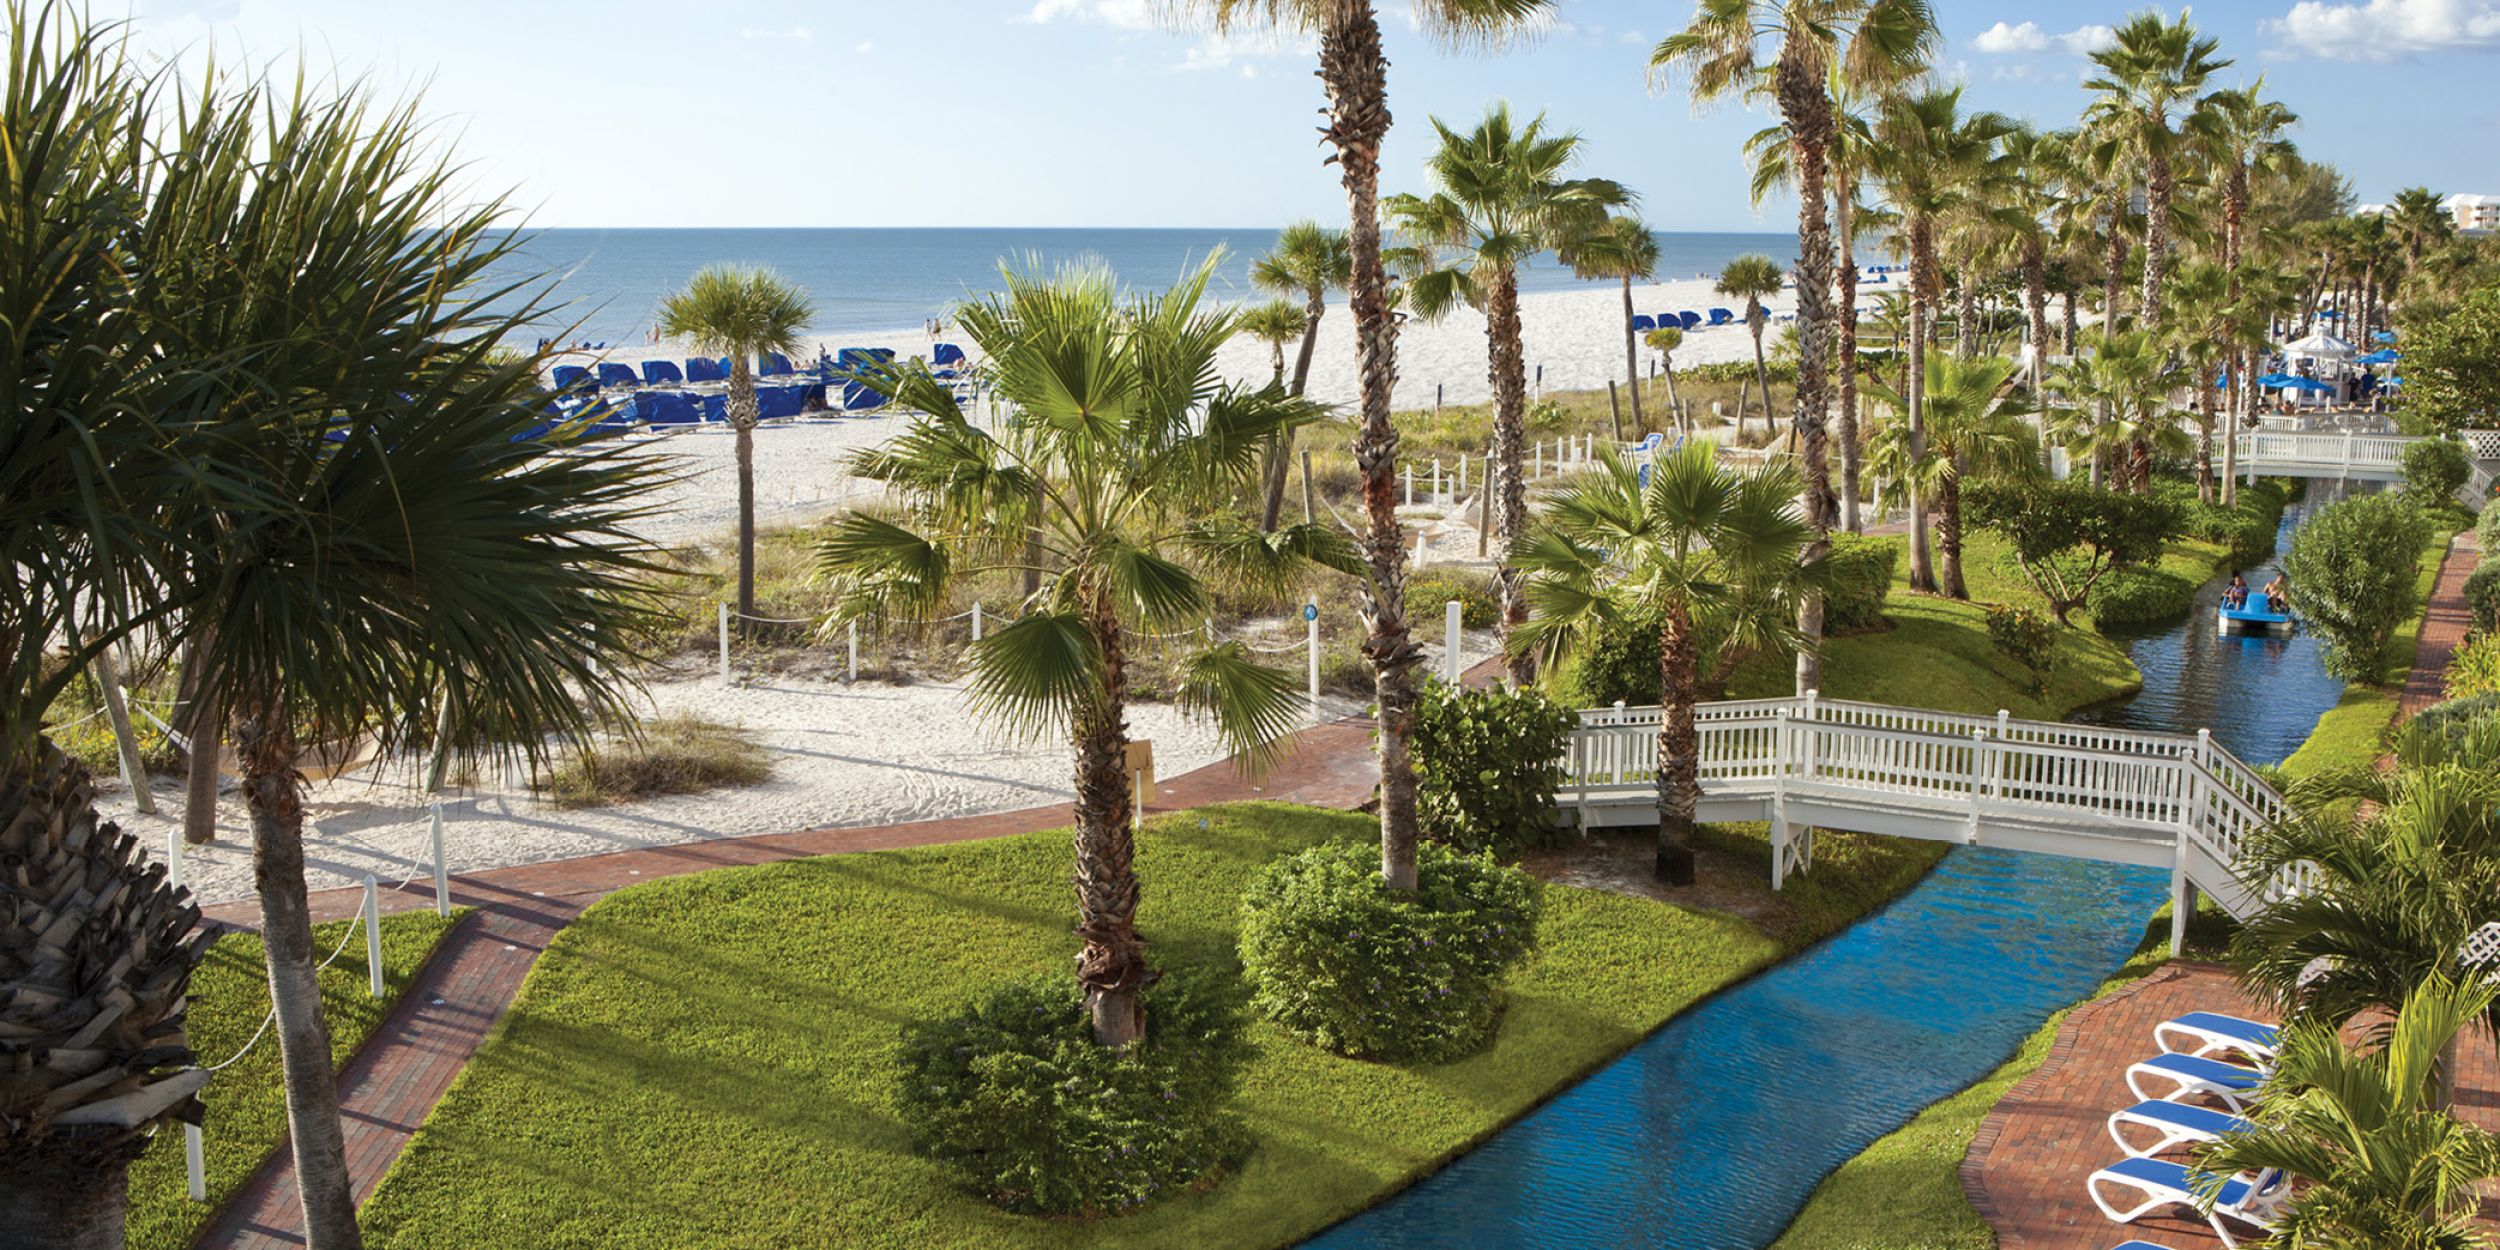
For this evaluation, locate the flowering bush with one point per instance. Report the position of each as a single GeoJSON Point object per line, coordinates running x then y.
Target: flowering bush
{"type": "Point", "coordinates": [1341, 961]}
{"type": "Point", "coordinates": [1014, 1093]}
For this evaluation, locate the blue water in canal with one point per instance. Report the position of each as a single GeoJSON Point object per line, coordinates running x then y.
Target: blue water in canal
{"type": "Point", "coordinates": [1711, 1134]}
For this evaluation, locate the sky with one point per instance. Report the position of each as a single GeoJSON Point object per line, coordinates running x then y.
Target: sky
{"type": "Point", "coordinates": [1086, 113]}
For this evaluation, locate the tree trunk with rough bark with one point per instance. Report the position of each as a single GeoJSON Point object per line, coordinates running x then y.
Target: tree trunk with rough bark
{"type": "Point", "coordinates": [1632, 360]}
{"type": "Point", "coordinates": [2205, 441]}
{"type": "Point", "coordinates": [265, 741]}
{"type": "Point", "coordinates": [2073, 327]}
{"type": "Point", "coordinates": [1679, 744]}
{"type": "Point", "coordinates": [742, 415]}
{"type": "Point", "coordinates": [200, 769]}
{"type": "Point", "coordinates": [1355, 73]}
{"type": "Point", "coordinates": [1111, 967]}
{"type": "Point", "coordinates": [1845, 351]}
{"type": "Point", "coordinates": [1314, 306]}
{"type": "Point", "coordinates": [2156, 234]}
{"type": "Point", "coordinates": [1807, 109]}
{"type": "Point", "coordinates": [1949, 537]}
{"type": "Point", "coordinates": [1507, 372]}
{"type": "Point", "coordinates": [1922, 295]}
{"type": "Point", "coordinates": [2234, 209]}
{"type": "Point", "coordinates": [70, 1196]}
{"type": "Point", "coordinates": [2036, 306]}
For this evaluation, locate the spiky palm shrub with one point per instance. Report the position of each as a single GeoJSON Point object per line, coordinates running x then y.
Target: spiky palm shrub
{"type": "Point", "coordinates": [739, 312]}
{"type": "Point", "coordinates": [1622, 248]}
{"type": "Point", "coordinates": [96, 950]}
{"type": "Point", "coordinates": [1698, 545]}
{"type": "Point", "coordinates": [396, 536]}
{"type": "Point", "coordinates": [1977, 427]}
{"type": "Point", "coordinates": [1108, 476]}
{"type": "Point", "coordinates": [1753, 279]}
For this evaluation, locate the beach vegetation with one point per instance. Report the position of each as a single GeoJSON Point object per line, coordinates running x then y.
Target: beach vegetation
{"type": "Point", "coordinates": [1489, 760]}
{"type": "Point", "coordinates": [1753, 278]}
{"type": "Point", "coordinates": [2435, 470]}
{"type": "Point", "coordinates": [1307, 260]}
{"type": "Point", "coordinates": [2066, 537]}
{"type": "Point", "coordinates": [668, 755]}
{"type": "Point", "coordinates": [2351, 574]}
{"type": "Point", "coordinates": [2027, 637]}
{"type": "Point", "coordinates": [2452, 365]}
{"type": "Point", "coordinates": [1977, 429]}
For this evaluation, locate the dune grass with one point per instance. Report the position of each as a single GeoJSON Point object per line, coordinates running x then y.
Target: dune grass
{"type": "Point", "coordinates": [246, 1106]}
{"type": "Point", "coordinates": [707, 1060]}
{"type": "Point", "coordinates": [671, 755]}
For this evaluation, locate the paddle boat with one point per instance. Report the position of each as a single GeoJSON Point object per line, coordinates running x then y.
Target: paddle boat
{"type": "Point", "coordinates": [2257, 618]}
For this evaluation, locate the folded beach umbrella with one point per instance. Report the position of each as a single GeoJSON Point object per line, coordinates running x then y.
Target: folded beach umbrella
{"type": "Point", "coordinates": [1643, 323]}
{"type": "Point", "coordinates": [613, 374]}
{"type": "Point", "coordinates": [1689, 318]}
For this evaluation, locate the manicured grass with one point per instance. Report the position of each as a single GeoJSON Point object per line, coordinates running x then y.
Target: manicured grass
{"type": "Point", "coordinates": [708, 1060]}
{"type": "Point", "coordinates": [1937, 655]}
{"type": "Point", "coordinates": [246, 1106]}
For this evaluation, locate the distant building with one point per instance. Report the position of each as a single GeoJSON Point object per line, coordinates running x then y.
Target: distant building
{"type": "Point", "coordinates": [2474, 212]}
{"type": "Point", "coordinates": [2373, 210]}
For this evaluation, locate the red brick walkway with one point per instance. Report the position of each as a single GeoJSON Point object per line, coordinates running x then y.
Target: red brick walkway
{"type": "Point", "coordinates": [2026, 1168]}
{"type": "Point", "coordinates": [395, 1080]}
{"type": "Point", "coordinates": [2444, 623]}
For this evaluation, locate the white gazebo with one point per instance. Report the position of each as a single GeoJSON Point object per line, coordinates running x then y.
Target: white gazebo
{"type": "Point", "coordinates": [2318, 346]}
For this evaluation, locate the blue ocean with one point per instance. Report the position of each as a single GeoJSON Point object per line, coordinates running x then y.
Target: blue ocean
{"type": "Point", "coordinates": [608, 283]}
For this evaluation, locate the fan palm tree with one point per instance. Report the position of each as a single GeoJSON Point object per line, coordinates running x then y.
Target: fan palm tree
{"type": "Point", "coordinates": [1622, 249]}
{"type": "Point", "coordinates": [1877, 43]}
{"type": "Point", "coordinates": [2150, 80]}
{"type": "Point", "coordinates": [93, 935]}
{"type": "Point", "coordinates": [1698, 544]}
{"type": "Point", "coordinates": [1928, 157]}
{"type": "Point", "coordinates": [739, 312]}
{"type": "Point", "coordinates": [1309, 260]}
{"type": "Point", "coordinates": [1499, 197]}
{"type": "Point", "coordinates": [2121, 389]}
{"type": "Point", "coordinates": [2037, 177]}
{"type": "Point", "coordinates": [2417, 218]}
{"type": "Point", "coordinates": [2384, 1163]}
{"type": "Point", "coordinates": [1106, 473]}
{"type": "Point", "coordinates": [1753, 278]}
{"type": "Point", "coordinates": [2212, 330]}
{"type": "Point", "coordinates": [1977, 426]}
{"type": "Point", "coordinates": [1354, 74]}
{"type": "Point", "coordinates": [2246, 138]}
{"type": "Point", "coordinates": [1275, 323]}
{"type": "Point", "coordinates": [1664, 340]}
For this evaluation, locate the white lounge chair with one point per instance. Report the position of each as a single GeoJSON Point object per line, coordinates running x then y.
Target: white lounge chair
{"type": "Point", "coordinates": [2176, 1123]}
{"type": "Point", "coordinates": [2196, 1074]}
{"type": "Point", "coordinates": [2205, 1032]}
{"type": "Point", "coordinates": [2137, 1245]}
{"type": "Point", "coordinates": [2256, 1201]}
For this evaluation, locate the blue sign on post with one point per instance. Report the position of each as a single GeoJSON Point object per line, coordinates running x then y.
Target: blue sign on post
{"type": "Point", "coordinates": [1310, 611]}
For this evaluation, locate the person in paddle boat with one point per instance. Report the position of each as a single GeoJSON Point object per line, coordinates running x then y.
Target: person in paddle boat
{"type": "Point", "coordinates": [2278, 594]}
{"type": "Point", "coordinates": [2235, 595]}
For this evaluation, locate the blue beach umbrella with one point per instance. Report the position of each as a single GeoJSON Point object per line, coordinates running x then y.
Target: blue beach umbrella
{"type": "Point", "coordinates": [2306, 385]}
{"type": "Point", "coordinates": [2383, 336]}
{"type": "Point", "coordinates": [2383, 356]}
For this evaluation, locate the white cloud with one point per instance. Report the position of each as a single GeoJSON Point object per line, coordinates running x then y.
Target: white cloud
{"type": "Point", "coordinates": [2385, 30]}
{"type": "Point", "coordinates": [2001, 39]}
{"type": "Point", "coordinates": [1124, 14]}
{"type": "Point", "coordinates": [864, 48]}
{"type": "Point", "coordinates": [800, 34]}
{"type": "Point", "coordinates": [2086, 40]}
{"type": "Point", "coordinates": [1226, 51]}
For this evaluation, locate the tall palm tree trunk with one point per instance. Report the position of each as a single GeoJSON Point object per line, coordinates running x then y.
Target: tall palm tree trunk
{"type": "Point", "coordinates": [1355, 73]}
{"type": "Point", "coordinates": [2205, 440]}
{"type": "Point", "coordinates": [58, 1200]}
{"type": "Point", "coordinates": [1508, 374]}
{"type": "Point", "coordinates": [742, 416]}
{"type": "Point", "coordinates": [2073, 328]}
{"type": "Point", "coordinates": [1675, 406]}
{"type": "Point", "coordinates": [2156, 234]}
{"type": "Point", "coordinates": [1845, 352]}
{"type": "Point", "coordinates": [1756, 321]}
{"type": "Point", "coordinates": [1632, 360]}
{"type": "Point", "coordinates": [266, 743]}
{"type": "Point", "coordinates": [2240, 359]}
{"type": "Point", "coordinates": [2113, 279]}
{"type": "Point", "coordinates": [1112, 965]}
{"type": "Point", "coordinates": [2036, 306]}
{"type": "Point", "coordinates": [1808, 111]}
{"type": "Point", "coordinates": [1922, 265]}
{"type": "Point", "coordinates": [2234, 207]}
{"type": "Point", "coordinates": [1314, 306]}
{"type": "Point", "coordinates": [1679, 744]}
{"type": "Point", "coordinates": [1966, 319]}
{"type": "Point", "coordinates": [1949, 537]}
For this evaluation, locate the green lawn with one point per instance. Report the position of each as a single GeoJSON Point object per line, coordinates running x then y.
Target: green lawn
{"type": "Point", "coordinates": [246, 1107]}
{"type": "Point", "coordinates": [706, 1060]}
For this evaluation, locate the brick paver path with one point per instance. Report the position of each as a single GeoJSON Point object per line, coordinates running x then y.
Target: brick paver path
{"type": "Point", "coordinates": [2444, 622]}
{"type": "Point", "coordinates": [2026, 1168]}
{"type": "Point", "coordinates": [395, 1080]}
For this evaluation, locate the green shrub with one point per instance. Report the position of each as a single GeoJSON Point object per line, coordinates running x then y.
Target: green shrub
{"type": "Point", "coordinates": [2482, 592]}
{"type": "Point", "coordinates": [2141, 595]}
{"type": "Point", "coordinates": [2352, 569]}
{"type": "Point", "coordinates": [1487, 763]}
{"type": "Point", "coordinates": [2066, 537]}
{"type": "Point", "coordinates": [1427, 591]}
{"type": "Point", "coordinates": [2475, 668]}
{"type": "Point", "coordinates": [2487, 527]}
{"type": "Point", "coordinates": [2464, 730]}
{"type": "Point", "coordinates": [671, 755]}
{"type": "Point", "coordinates": [1861, 571]}
{"type": "Point", "coordinates": [2434, 470]}
{"type": "Point", "coordinates": [1017, 1097]}
{"type": "Point", "coordinates": [1616, 663]}
{"type": "Point", "coordinates": [2248, 527]}
{"type": "Point", "coordinates": [2025, 636]}
{"type": "Point", "coordinates": [1341, 961]}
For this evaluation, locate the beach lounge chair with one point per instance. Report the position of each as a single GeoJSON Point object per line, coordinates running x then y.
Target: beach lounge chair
{"type": "Point", "coordinates": [2137, 1245]}
{"type": "Point", "coordinates": [774, 365]}
{"type": "Point", "coordinates": [942, 354]}
{"type": "Point", "coordinates": [612, 374]}
{"type": "Point", "coordinates": [859, 397]}
{"type": "Point", "coordinates": [1643, 323]}
{"type": "Point", "coordinates": [2256, 1201]}
{"type": "Point", "coordinates": [1722, 317]}
{"type": "Point", "coordinates": [2205, 1032]}
{"type": "Point", "coordinates": [574, 378]}
{"type": "Point", "coordinates": [716, 408]}
{"type": "Point", "coordinates": [772, 403]}
{"type": "Point", "coordinates": [702, 369]}
{"type": "Point", "coordinates": [655, 372]}
{"type": "Point", "coordinates": [1689, 319]}
{"type": "Point", "coordinates": [2195, 1074]}
{"type": "Point", "coordinates": [667, 408]}
{"type": "Point", "coordinates": [2173, 1123]}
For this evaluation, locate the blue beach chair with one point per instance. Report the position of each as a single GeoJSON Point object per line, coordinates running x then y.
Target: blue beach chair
{"type": "Point", "coordinates": [2195, 1074]}
{"type": "Point", "coordinates": [703, 369]}
{"type": "Point", "coordinates": [716, 408]}
{"type": "Point", "coordinates": [2255, 1200]}
{"type": "Point", "coordinates": [655, 372]}
{"type": "Point", "coordinates": [774, 365]}
{"type": "Point", "coordinates": [2173, 1124]}
{"type": "Point", "coordinates": [611, 374]}
{"type": "Point", "coordinates": [2202, 1033]}
{"type": "Point", "coordinates": [1688, 319]}
{"type": "Point", "coordinates": [861, 398]}
{"type": "Point", "coordinates": [1722, 317]}
{"type": "Point", "coordinates": [574, 378]}
{"type": "Point", "coordinates": [1643, 323]}
{"type": "Point", "coordinates": [944, 354]}
{"type": "Point", "coordinates": [672, 408]}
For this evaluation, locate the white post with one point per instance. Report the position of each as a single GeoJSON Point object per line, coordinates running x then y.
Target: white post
{"type": "Point", "coordinates": [442, 872]}
{"type": "Point", "coordinates": [1462, 475]}
{"type": "Point", "coordinates": [194, 1161]}
{"type": "Point", "coordinates": [1310, 626]}
{"type": "Point", "coordinates": [1978, 762]}
{"type": "Point", "coordinates": [1436, 479]}
{"type": "Point", "coordinates": [1410, 486]}
{"type": "Point", "coordinates": [724, 644]}
{"type": "Point", "coordinates": [2205, 745]}
{"type": "Point", "coordinates": [1421, 551]}
{"type": "Point", "coordinates": [173, 857]}
{"type": "Point", "coordinates": [1449, 656]}
{"type": "Point", "coordinates": [854, 632]}
{"type": "Point", "coordinates": [2004, 721]}
{"type": "Point", "coordinates": [976, 620]}
{"type": "Point", "coordinates": [1540, 461]}
{"type": "Point", "coordinates": [373, 934]}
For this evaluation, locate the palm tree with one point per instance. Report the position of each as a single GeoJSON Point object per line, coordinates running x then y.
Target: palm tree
{"type": "Point", "coordinates": [1354, 73]}
{"type": "Point", "coordinates": [1976, 426]}
{"type": "Point", "coordinates": [1622, 249]}
{"type": "Point", "coordinates": [2417, 218]}
{"type": "Point", "coordinates": [1753, 278]}
{"type": "Point", "coordinates": [1115, 451]}
{"type": "Point", "coordinates": [1664, 340]}
{"type": "Point", "coordinates": [1697, 545]}
{"type": "Point", "coordinates": [2038, 172]}
{"type": "Point", "coordinates": [2204, 334]}
{"type": "Point", "coordinates": [1928, 155]}
{"type": "Point", "coordinates": [1879, 43]}
{"type": "Point", "coordinates": [739, 312]}
{"type": "Point", "coordinates": [95, 937]}
{"type": "Point", "coordinates": [2246, 137]}
{"type": "Point", "coordinates": [1275, 323]}
{"type": "Point", "coordinates": [2121, 390]}
{"type": "Point", "coordinates": [2149, 80]}
{"type": "Point", "coordinates": [2384, 1163]}
{"type": "Point", "coordinates": [1309, 260]}
{"type": "Point", "coordinates": [1499, 198]}
{"type": "Point", "coordinates": [399, 535]}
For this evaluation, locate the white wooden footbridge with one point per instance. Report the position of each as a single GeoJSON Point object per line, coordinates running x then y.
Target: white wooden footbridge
{"type": "Point", "coordinates": [2173, 801]}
